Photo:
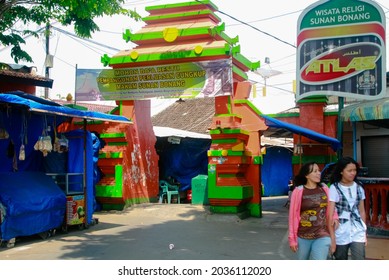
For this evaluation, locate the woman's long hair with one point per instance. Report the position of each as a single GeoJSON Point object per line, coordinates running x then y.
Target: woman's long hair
{"type": "Point", "coordinates": [300, 178]}
{"type": "Point", "coordinates": [336, 175]}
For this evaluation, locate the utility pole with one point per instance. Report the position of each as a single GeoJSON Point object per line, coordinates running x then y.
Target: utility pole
{"type": "Point", "coordinates": [47, 70]}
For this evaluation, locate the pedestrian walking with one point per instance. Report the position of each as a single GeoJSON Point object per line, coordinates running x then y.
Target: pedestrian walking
{"type": "Point", "coordinates": [347, 199]}
{"type": "Point", "coordinates": [309, 235]}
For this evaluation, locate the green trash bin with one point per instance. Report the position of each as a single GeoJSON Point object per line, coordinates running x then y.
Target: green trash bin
{"type": "Point", "coordinates": [200, 190]}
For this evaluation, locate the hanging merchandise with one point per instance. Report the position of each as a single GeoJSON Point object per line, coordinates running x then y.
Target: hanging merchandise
{"type": "Point", "coordinates": [11, 149]}
{"type": "Point", "coordinates": [56, 146]}
{"type": "Point", "coordinates": [23, 138]}
{"type": "Point", "coordinates": [22, 153]}
{"type": "Point", "coordinates": [14, 163]}
{"type": "Point", "coordinates": [3, 133]}
{"type": "Point", "coordinates": [44, 142]}
{"type": "Point", "coordinates": [61, 143]}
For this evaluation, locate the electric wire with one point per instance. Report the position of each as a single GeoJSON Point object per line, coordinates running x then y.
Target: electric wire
{"type": "Point", "coordinates": [134, 3]}
{"type": "Point", "coordinates": [85, 39]}
{"type": "Point", "coordinates": [269, 18]}
{"type": "Point", "coordinates": [73, 66]}
{"type": "Point", "coordinates": [253, 27]}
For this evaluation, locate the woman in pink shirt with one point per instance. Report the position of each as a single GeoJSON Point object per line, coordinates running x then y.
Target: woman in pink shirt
{"type": "Point", "coordinates": [309, 236]}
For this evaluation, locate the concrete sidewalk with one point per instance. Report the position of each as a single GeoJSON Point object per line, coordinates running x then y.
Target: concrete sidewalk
{"type": "Point", "coordinates": [377, 248]}
{"type": "Point", "coordinates": [145, 231]}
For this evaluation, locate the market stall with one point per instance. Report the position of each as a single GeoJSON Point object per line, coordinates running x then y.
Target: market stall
{"type": "Point", "coordinates": [31, 201]}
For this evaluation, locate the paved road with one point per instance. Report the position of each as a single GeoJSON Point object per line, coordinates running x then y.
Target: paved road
{"type": "Point", "coordinates": [145, 231]}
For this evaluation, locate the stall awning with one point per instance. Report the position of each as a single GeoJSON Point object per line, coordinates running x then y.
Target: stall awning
{"type": "Point", "coordinates": [282, 128]}
{"type": "Point", "coordinates": [40, 105]}
{"type": "Point", "coordinates": [366, 111]}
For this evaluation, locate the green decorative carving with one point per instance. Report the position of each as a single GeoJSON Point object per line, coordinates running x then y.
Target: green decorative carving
{"type": "Point", "coordinates": [183, 4]}
{"type": "Point", "coordinates": [127, 35]}
{"type": "Point", "coordinates": [180, 15]}
{"type": "Point", "coordinates": [105, 59]}
{"type": "Point", "coordinates": [117, 60]}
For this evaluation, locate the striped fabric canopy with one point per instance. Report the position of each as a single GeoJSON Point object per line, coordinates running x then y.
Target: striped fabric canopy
{"type": "Point", "coordinates": [366, 111]}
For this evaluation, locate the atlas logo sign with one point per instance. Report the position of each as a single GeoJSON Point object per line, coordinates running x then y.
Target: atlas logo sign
{"type": "Point", "coordinates": [340, 63]}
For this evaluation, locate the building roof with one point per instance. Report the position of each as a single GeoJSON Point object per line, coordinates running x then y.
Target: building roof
{"type": "Point", "coordinates": [193, 115]}
{"type": "Point", "coordinates": [23, 75]}
{"type": "Point", "coordinates": [96, 107]}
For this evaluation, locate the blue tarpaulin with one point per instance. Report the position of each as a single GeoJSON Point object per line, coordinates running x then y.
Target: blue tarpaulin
{"type": "Point", "coordinates": [30, 203]}
{"type": "Point", "coordinates": [274, 123]}
{"type": "Point", "coordinates": [276, 171]}
{"type": "Point", "coordinates": [184, 161]}
{"type": "Point", "coordinates": [37, 104]}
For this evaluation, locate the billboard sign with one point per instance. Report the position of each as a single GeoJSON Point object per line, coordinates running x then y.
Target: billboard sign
{"type": "Point", "coordinates": [86, 85]}
{"type": "Point", "coordinates": [341, 50]}
{"type": "Point", "coordinates": [181, 80]}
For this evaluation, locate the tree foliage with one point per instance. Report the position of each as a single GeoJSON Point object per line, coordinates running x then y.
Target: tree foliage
{"type": "Point", "coordinates": [17, 15]}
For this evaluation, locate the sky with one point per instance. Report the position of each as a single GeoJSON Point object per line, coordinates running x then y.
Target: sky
{"type": "Point", "coordinates": [270, 32]}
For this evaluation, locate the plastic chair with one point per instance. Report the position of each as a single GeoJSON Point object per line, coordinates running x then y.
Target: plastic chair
{"type": "Point", "coordinates": [168, 190]}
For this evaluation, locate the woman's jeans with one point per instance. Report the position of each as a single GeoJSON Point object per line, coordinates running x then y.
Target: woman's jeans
{"type": "Point", "coordinates": [314, 249]}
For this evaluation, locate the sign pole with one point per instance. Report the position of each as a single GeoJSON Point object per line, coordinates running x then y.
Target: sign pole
{"type": "Point", "coordinates": [340, 125]}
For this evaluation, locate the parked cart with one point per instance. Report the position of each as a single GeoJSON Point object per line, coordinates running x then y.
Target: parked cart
{"type": "Point", "coordinates": [73, 186]}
